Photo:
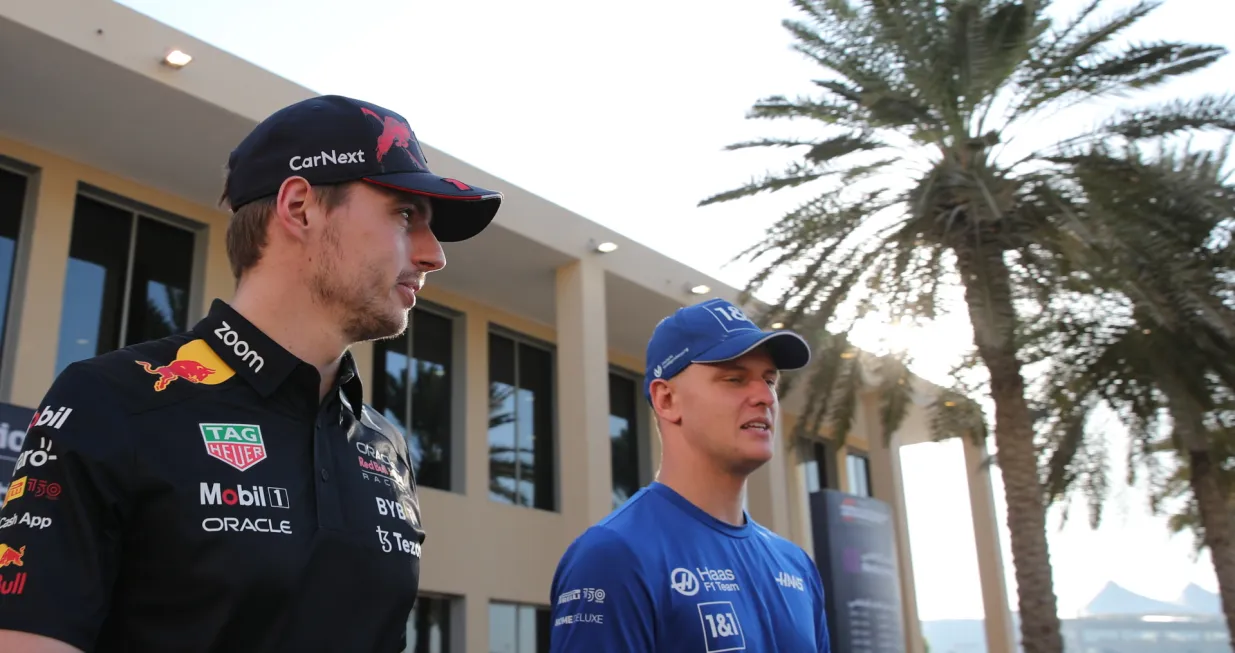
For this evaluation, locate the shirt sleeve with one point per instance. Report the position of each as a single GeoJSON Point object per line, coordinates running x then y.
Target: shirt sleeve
{"type": "Point", "coordinates": [601, 599]}
{"type": "Point", "coordinates": [61, 525]}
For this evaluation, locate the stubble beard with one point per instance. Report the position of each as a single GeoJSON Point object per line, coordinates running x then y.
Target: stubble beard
{"type": "Point", "coordinates": [361, 302]}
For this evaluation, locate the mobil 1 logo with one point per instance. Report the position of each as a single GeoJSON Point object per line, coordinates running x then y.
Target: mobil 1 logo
{"type": "Point", "coordinates": [257, 496]}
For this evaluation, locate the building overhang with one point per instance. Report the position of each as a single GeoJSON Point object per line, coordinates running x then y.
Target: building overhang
{"type": "Point", "coordinates": [85, 79]}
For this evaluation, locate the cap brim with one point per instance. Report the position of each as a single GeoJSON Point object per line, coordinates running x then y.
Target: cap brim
{"type": "Point", "coordinates": [788, 350]}
{"type": "Point", "coordinates": [460, 211]}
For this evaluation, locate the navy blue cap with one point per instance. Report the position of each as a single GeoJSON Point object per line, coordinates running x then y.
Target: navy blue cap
{"type": "Point", "coordinates": [333, 139]}
{"type": "Point", "coordinates": [715, 331]}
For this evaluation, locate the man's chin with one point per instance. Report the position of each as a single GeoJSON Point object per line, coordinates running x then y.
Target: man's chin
{"type": "Point", "coordinates": [382, 327]}
{"type": "Point", "coordinates": [751, 461]}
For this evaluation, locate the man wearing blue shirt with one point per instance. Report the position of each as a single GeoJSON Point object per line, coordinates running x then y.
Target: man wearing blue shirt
{"type": "Point", "coordinates": [681, 566]}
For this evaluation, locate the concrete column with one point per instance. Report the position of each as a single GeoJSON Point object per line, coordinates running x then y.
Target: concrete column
{"type": "Point", "coordinates": [476, 438]}
{"type": "Point", "coordinates": [32, 368]}
{"type": "Point", "coordinates": [1000, 634]}
{"type": "Point", "coordinates": [476, 625]}
{"type": "Point", "coordinates": [586, 485]}
{"type": "Point", "coordinates": [888, 485]}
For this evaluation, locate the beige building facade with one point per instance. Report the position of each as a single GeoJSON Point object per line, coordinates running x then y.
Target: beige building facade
{"type": "Point", "coordinates": [517, 383]}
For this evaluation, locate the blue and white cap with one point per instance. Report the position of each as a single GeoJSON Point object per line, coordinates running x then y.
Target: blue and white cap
{"type": "Point", "coordinates": [715, 331]}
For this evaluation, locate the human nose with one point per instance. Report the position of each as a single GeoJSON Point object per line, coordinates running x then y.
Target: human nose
{"type": "Point", "coordinates": [427, 253]}
{"type": "Point", "coordinates": [763, 394]}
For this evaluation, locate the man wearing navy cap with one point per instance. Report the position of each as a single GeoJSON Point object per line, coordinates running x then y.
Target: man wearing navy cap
{"type": "Point", "coordinates": [681, 566]}
{"type": "Point", "coordinates": [226, 489]}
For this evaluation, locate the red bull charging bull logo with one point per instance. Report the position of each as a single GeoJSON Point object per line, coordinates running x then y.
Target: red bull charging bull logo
{"type": "Point", "coordinates": [394, 132]}
{"type": "Point", "coordinates": [11, 556]}
{"type": "Point", "coordinates": [195, 362]}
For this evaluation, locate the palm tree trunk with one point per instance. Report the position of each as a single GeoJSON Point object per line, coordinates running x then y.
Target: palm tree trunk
{"type": "Point", "coordinates": [1216, 521]}
{"type": "Point", "coordinates": [1211, 496]}
{"type": "Point", "coordinates": [988, 293]}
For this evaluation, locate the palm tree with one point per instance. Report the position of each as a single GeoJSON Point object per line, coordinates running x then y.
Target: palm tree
{"type": "Point", "coordinates": [845, 372]}
{"type": "Point", "coordinates": [1162, 346]}
{"type": "Point", "coordinates": [940, 87]}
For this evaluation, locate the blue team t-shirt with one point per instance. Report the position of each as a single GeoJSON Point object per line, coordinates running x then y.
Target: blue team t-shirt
{"type": "Point", "coordinates": [659, 574]}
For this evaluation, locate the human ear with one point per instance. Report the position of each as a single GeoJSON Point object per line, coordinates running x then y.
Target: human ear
{"type": "Point", "coordinates": [291, 206]}
{"type": "Point", "coordinates": [665, 401]}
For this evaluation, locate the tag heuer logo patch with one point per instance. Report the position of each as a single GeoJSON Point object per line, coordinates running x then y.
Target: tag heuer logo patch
{"type": "Point", "coordinates": [239, 445]}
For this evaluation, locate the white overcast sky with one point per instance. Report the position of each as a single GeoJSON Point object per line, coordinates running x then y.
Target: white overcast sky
{"type": "Point", "coordinates": [619, 111]}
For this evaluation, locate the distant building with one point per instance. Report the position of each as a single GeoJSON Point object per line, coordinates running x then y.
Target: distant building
{"type": "Point", "coordinates": [1115, 621]}
{"type": "Point", "coordinates": [1121, 621]}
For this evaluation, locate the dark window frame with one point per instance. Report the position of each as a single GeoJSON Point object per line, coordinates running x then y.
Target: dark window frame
{"type": "Point", "coordinates": [543, 619]}
{"type": "Point", "coordinates": [520, 338]}
{"type": "Point", "coordinates": [456, 440]}
{"type": "Point", "coordinates": [142, 213]}
{"type": "Point", "coordinates": [21, 265]}
{"type": "Point", "coordinates": [820, 455]}
{"type": "Point", "coordinates": [140, 210]}
{"type": "Point", "coordinates": [641, 424]}
{"type": "Point", "coordinates": [455, 632]}
{"type": "Point", "coordinates": [864, 457]}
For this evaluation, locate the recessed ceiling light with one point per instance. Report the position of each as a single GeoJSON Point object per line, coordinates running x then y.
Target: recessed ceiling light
{"type": "Point", "coordinates": [606, 247]}
{"type": "Point", "coordinates": [778, 325]}
{"type": "Point", "coordinates": [699, 289]}
{"type": "Point", "coordinates": [177, 59]}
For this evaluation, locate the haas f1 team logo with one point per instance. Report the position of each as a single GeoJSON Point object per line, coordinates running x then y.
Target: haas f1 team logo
{"type": "Point", "coordinates": [395, 132]}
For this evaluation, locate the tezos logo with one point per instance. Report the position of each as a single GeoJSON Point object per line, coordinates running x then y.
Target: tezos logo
{"type": "Point", "coordinates": [400, 544]}
{"type": "Point", "coordinates": [241, 348]}
{"type": "Point", "coordinates": [213, 494]}
{"type": "Point", "coordinates": [684, 582]}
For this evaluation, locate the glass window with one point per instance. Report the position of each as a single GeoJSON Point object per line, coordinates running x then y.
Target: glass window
{"type": "Point", "coordinates": [623, 437]}
{"type": "Point", "coordinates": [518, 628]}
{"type": "Point", "coordinates": [13, 187]}
{"type": "Point", "coordinates": [428, 627]}
{"type": "Point", "coordinates": [521, 456]}
{"type": "Point", "coordinates": [816, 467]}
{"type": "Point", "coordinates": [128, 281]}
{"type": "Point", "coordinates": [858, 467]}
{"type": "Point", "coordinates": [420, 375]}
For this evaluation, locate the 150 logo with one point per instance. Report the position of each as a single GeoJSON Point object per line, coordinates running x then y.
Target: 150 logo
{"type": "Point", "coordinates": [38, 487]}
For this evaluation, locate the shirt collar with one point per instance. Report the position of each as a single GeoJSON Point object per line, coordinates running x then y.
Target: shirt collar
{"type": "Point", "coordinates": [260, 361]}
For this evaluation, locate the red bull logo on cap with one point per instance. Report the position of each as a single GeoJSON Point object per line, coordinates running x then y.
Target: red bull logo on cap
{"type": "Point", "coordinates": [394, 132]}
{"type": "Point", "coordinates": [195, 362]}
